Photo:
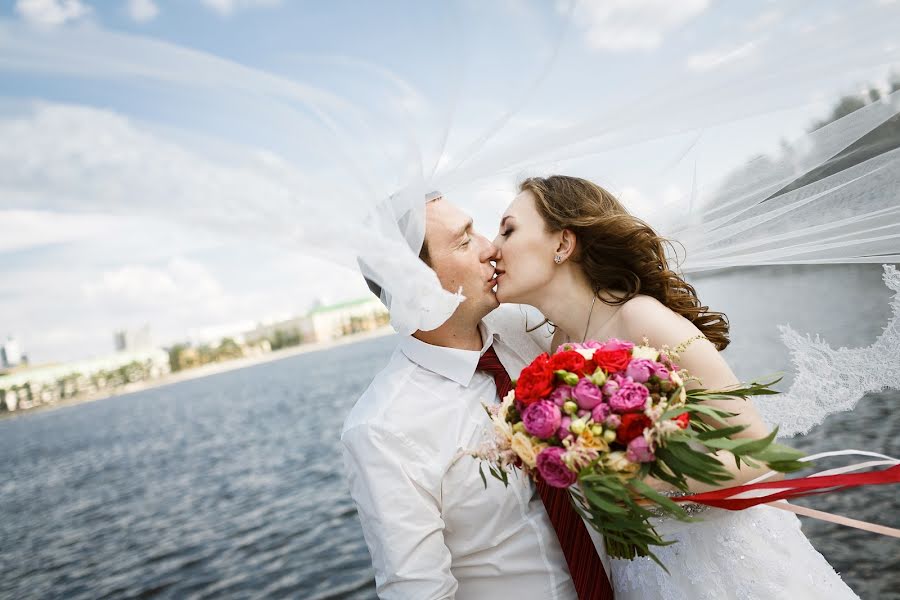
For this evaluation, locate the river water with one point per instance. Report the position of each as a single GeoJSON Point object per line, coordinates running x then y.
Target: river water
{"type": "Point", "coordinates": [230, 486]}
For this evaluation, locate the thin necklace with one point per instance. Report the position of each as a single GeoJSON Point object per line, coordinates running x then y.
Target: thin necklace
{"type": "Point", "coordinates": [588, 326]}
{"type": "Point", "coordinates": [590, 314]}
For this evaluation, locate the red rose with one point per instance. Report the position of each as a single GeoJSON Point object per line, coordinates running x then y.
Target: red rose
{"type": "Point", "coordinates": [683, 420]}
{"type": "Point", "coordinates": [535, 381]}
{"type": "Point", "coordinates": [570, 361]}
{"type": "Point", "coordinates": [633, 425]}
{"type": "Point", "coordinates": [612, 360]}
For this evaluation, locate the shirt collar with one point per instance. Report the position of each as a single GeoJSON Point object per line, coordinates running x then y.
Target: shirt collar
{"type": "Point", "coordinates": [452, 363]}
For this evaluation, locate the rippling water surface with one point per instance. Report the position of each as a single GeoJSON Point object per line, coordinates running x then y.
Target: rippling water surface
{"type": "Point", "coordinates": [231, 486]}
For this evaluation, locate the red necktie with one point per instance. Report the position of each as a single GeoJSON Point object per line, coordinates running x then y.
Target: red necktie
{"type": "Point", "coordinates": [585, 567]}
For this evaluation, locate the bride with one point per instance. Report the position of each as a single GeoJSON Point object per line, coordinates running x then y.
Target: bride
{"type": "Point", "coordinates": [565, 243]}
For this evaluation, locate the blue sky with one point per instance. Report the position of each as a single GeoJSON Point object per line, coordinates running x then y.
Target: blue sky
{"type": "Point", "coordinates": [116, 116]}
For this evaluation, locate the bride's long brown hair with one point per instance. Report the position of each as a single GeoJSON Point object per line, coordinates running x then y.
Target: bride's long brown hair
{"type": "Point", "coordinates": [618, 251]}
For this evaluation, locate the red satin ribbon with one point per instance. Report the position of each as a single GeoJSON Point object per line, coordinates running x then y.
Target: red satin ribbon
{"type": "Point", "coordinates": [791, 488]}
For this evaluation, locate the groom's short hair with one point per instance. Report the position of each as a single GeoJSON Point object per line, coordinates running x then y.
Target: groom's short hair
{"type": "Point", "coordinates": [424, 254]}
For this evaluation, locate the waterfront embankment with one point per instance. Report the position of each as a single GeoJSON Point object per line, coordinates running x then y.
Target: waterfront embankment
{"type": "Point", "coordinates": [202, 371]}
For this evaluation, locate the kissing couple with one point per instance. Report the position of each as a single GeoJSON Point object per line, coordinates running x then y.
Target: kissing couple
{"type": "Point", "coordinates": [570, 258]}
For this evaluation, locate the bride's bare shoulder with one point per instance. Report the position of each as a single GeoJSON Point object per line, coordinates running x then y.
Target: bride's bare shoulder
{"type": "Point", "coordinates": [645, 316]}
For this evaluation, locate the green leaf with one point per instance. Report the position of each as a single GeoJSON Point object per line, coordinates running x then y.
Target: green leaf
{"type": "Point", "coordinates": [778, 453]}
{"type": "Point", "coordinates": [594, 499]}
{"type": "Point", "coordinates": [755, 445]}
{"type": "Point", "coordinates": [713, 413]}
{"type": "Point", "coordinates": [787, 466]}
{"type": "Point", "coordinates": [672, 507]}
{"type": "Point", "coordinates": [721, 433]}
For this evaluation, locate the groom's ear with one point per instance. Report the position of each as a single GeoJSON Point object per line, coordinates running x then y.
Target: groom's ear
{"type": "Point", "coordinates": [566, 245]}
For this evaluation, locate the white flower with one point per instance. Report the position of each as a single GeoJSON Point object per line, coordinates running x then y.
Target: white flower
{"type": "Point", "coordinates": [647, 352]}
{"type": "Point", "coordinates": [587, 353]}
{"type": "Point", "coordinates": [617, 461]}
{"type": "Point", "coordinates": [525, 449]}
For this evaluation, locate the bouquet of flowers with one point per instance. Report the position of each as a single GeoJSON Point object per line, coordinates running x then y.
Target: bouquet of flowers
{"type": "Point", "coordinates": [598, 418]}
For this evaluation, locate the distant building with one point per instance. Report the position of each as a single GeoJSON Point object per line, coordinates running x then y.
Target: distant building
{"type": "Point", "coordinates": [331, 322]}
{"type": "Point", "coordinates": [10, 353]}
{"type": "Point", "coordinates": [133, 340]}
{"type": "Point", "coordinates": [295, 331]}
{"type": "Point", "coordinates": [42, 385]}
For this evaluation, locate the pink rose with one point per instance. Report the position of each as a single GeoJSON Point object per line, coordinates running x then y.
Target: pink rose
{"type": "Point", "coordinates": [563, 431]}
{"type": "Point", "coordinates": [552, 468]}
{"type": "Point", "coordinates": [542, 419]}
{"type": "Point", "coordinates": [600, 412]}
{"type": "Point", "coordinates": [591, 345]}
{"type": "Point", "coordinates": [631, 397]}
{"type": "Point", "coordinates": [639, 451]}
{"type": "Point", "coordinates": [640, 369]}
{"type": "Point", "coordinates": [587, 395]}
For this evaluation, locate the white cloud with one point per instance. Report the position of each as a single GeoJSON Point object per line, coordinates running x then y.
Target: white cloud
{"type": "Point", "coordinates": [24, 229]}
{"type": "Point", "coordinates": [633, 24]}
{"type": "Point", "coordinates": [180, 285]}
{"type": "Point", "coordinates": [119, 271]}
{"type": "Point", "coordinates": [51, 13]}
{"type": "Point", "coordinates": [765, 19]}
{"type": "Point", "coordinates": [65, 158]}
{"type": "Point", "coordinates": [142, 11]}
{"type": "Point", "coordinates": [229, 7]}
{"type": "Point", "coordinates": [714, 59]}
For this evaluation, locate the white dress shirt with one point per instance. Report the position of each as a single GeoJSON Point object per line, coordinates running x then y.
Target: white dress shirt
{"type": "Point", "coordinates": [432, 528]}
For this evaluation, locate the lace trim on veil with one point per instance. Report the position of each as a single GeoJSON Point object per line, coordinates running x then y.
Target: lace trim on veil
{"type": "Point", "coordinates": [832, 380]}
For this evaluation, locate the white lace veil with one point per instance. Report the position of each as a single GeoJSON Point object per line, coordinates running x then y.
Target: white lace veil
{"type": "Point", "coordinates": [697, 116]}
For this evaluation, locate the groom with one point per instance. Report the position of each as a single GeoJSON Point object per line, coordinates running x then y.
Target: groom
{"type": "Point", "coordinates": [432, 528]}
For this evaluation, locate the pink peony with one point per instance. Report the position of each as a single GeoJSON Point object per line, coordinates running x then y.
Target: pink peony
{"type": "Point", "coordinates": [616, 344]}
{"type": "Point", "coordinates": [639, 451]}
{"type": "Point", "coordinates": [561, 394]}
{"type": "Point", "coordinates": [610, 387]}
{"type": "Point", "coordinates": [613, 421]}
{"type": "Point", "coordinates": [661, 372]}
{"type": "Point", "coordinates": [600, 412]}
{"type": "Point", "coordinates": [542, 419]}
{"type": "Point", "coordinates": [631, 397]}
{"type": "Point", "coordinates": [552, 468]}
{"type": "Point", "coordinates": [568, 346]}
{"type": "Point", "coordinates": [563, 431]}
{"type": "Point", "coordinates": [640, 369]}
{"type": "Point", "coordinates": [587, 395]}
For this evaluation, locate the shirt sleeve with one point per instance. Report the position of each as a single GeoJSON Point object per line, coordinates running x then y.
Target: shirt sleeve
{"type": "Point", "coordinates": [400, 515]}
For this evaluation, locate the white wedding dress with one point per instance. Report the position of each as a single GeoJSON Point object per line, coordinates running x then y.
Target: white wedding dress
{"type": "Point", "coordinates": [755, 554]}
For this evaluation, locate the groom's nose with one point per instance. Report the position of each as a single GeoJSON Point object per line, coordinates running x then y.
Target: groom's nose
{"type": "Point", "coordinates": [488, 250]}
